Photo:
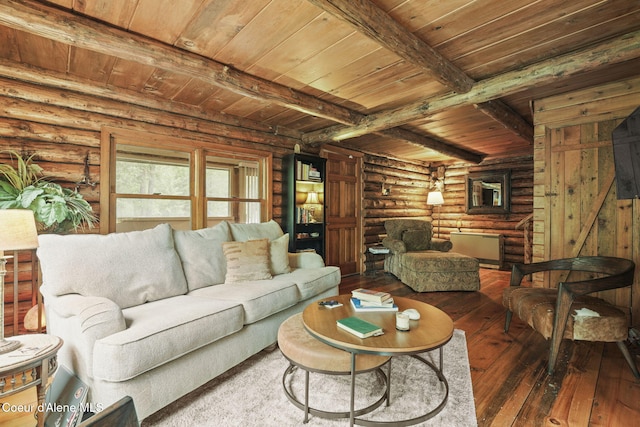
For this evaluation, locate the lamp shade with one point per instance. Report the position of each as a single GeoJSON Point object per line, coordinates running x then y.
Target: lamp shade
{"type": "Point", "coordinates": [435, 198]}
{"type": "Point", "coordinates": [17, 230]}
{"type": "Point", "coordinates": [312, 198]}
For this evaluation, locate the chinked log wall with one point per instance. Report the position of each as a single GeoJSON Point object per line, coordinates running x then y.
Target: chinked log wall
{"type": "Point", "coordinates": [64, 127]}
{"type": "Point", "coordinates": [408, 184]}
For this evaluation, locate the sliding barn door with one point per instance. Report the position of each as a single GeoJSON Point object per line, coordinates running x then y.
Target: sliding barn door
{"type": "Point", "coordinates": [343, 211]}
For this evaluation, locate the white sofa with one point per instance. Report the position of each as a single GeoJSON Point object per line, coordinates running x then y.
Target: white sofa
{"type": "Point", "coordinates": [155, 314]}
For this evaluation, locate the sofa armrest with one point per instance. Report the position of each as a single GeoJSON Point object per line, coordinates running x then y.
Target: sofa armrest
{"type": "Point", "coordinates": [97, 317]}
{"type": "Point", "coordinates": [396, 246]}
{"type": "Point", "coordinates": [80, 321]}
{"type": "Point", "coordinates": [305, 260]}
{"type": "Point", "coordinates": [441, 245]}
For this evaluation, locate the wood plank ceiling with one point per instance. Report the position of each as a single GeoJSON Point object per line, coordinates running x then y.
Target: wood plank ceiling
{"type": "Point", "coordinates": [423, 80]}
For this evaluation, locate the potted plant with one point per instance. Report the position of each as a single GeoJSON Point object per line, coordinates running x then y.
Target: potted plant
{"type": "Point", "coordinates": [56, 209]}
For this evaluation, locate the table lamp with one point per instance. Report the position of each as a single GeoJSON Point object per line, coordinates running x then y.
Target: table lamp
{"type": "Point", "coordinates": [435, 198]}
{"type": "Point", "coordinates": [17, 232]}
{"type": "Point", "coordinates": [312, 201]}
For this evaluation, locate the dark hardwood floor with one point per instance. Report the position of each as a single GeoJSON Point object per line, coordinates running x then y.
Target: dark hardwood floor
{"type": "Point", "coordinates": [592, 384]}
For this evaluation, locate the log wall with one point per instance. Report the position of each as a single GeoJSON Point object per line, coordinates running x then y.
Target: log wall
{"type": "Point", "coordinates": [63, 128]}
{"type": "Point", "coordinates": [455, 218]}
{"type": "Point", "coordinates": [408, 184]}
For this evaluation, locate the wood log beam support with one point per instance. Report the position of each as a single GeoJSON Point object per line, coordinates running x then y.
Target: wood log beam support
{"type": "Point", "coordinates": [368, 19]}
{"type": "Point", "coordinates": [431, 143]}
{"type": "Point", "coordinates": [503, 114]}
{"type": "Point", "coordinates": [376, 24]}
{"type": "Point", "coordinates": [74, 30]}
{"type": "Point", "coordinates": [613, 51]}
{"type": "Point", "coordinates": [81, 32]}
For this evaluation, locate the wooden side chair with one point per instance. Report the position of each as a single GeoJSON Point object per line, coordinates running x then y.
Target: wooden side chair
{"type": "Point", "coordinates": [567, 311]}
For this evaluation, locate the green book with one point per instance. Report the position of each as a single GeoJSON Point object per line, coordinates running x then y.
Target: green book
{"type": "Point", "coordinates": [358, 327]}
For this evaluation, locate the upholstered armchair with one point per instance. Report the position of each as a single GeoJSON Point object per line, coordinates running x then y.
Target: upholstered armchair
{"type": "Point", "coordinates": [425, 263]}
{"type": "Point", "coordinates": [567, 311]}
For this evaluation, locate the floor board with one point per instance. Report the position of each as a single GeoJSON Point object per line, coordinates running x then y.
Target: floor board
{"type": "Point", "coordinates": [591, 386]}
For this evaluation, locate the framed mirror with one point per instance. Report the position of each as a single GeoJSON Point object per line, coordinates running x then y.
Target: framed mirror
{"type": "Point", "coordinates": [488, 192]}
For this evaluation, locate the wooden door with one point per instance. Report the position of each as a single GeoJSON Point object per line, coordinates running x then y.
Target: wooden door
{"type": "Point", "coordinates": [343, 208]}
{"type": "Point", "coordinates": [583, 216]}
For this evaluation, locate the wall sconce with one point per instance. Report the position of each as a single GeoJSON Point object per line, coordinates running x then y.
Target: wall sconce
{"type": "Point", "coordinates": [86, 179]}
{"type": "Point", "coordinates": [437, 179]}
{"type": "Point", "coordinates": [435, 198]}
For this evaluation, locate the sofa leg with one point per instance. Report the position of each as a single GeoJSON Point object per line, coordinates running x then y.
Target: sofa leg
{"type": "Point", "coordinates": [627, 356]}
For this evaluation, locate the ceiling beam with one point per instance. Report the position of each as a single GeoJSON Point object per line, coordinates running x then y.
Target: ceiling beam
{"type": "Point", "coordinates": [503, 114]}
{"type": "Point", "coordinates": [60, 81]}
{"type": "Point", "coordinates": [376, 24]}
{"type": "Point", "coordinates": [433, 144]}
{"type": "Point", "coordinates": [373, 22]}
{"type": "Point", "coordinates": [613, 51]}
{"type": "Point", "coordinates": [78, 31]}
{"type": "Point", "coordinates": [81, 32]}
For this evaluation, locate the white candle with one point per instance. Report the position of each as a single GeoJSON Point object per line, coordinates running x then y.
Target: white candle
{"type": "Point", "coordinates": [402, 321]}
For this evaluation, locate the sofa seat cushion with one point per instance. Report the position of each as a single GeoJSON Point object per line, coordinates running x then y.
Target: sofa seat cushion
{"type": "Point", "coordinates": [600, 321]}
{"type": "Point", "coordinates": [436, 261]}
{"type": "Point", "coordinates": [259, 298]}
{"type": "Point", "coordinates": [430, 271]}
{"type": "Point", "coordinates": [161, 331]}
{"type": "Point", "coordinates": [312, 281]}
{"type": "Point", "coordinates": [128, 268]}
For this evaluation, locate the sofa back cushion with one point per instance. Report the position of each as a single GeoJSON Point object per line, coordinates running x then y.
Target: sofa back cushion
{"type": "Point", "coordinates": [128, 268]}
{"type": "Point", "coordinates": [265, 230]}
{"type": "Point", "coordinates": [201, 253]}
{"type": "Point", "coordinates": [416, 239]}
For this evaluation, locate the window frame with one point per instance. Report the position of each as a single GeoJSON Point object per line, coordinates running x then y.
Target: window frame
{"type": "Point", "coordinates": [198, 151]}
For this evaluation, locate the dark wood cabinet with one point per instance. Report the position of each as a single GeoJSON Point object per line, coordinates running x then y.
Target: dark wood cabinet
{"type": "Point", "coordinates": [304, 216]}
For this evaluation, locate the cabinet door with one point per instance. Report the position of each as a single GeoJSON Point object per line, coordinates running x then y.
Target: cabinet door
{"type": "Point", "coordinates": [343, 212]}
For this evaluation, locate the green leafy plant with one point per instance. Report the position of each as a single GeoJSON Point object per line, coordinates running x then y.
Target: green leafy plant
{"type": "Point", "coordinates": [56, 209]}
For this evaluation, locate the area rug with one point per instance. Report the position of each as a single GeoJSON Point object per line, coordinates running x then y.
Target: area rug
{"type": "Point", "coordinates": [251, 394]}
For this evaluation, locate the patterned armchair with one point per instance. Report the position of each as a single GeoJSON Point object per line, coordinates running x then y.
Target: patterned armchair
{"type": "Point", "coordinates": [425, 263]}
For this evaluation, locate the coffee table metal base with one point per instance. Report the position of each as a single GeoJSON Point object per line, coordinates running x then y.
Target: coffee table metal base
{"type": "Point", "coordinates": [411, 421]}
{"type": "Point", "coordinates": [330, 414]}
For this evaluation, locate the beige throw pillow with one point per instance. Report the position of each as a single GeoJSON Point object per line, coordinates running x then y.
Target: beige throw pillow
{"type": "Point", "coordinates": [279, 253]}
{"type": "Point", "coordinates": [247, 260]}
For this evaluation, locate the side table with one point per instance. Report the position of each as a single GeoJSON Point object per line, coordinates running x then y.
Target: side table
{"type": "Point", "coordinates": [30, 365]}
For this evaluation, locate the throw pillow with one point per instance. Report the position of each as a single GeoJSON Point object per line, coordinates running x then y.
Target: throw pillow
{"type": "Point", "coordinates": [279, 255]}
{"type": "Point", "coordinates": [416, 239]}
{"type": "Point", "coordinates": [201, 254]}
{"type": "Point", "coordinates": [128, 268]}
{"type": "Point", "coordinates": [247, 260]}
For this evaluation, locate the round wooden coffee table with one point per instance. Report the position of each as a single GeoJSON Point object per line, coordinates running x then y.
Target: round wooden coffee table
{"type": "Point", "coordinates": [432, 331]}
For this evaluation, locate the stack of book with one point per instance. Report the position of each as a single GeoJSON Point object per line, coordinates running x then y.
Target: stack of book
{"type": "Point", "coordinates": [368, 300]}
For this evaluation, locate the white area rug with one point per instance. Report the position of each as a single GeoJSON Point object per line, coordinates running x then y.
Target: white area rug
{"type": "Point", "coordinates": [251, 394]}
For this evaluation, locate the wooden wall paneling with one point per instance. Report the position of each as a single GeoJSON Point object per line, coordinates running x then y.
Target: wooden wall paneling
{"type": "Point", "coordinates": [576, 144]}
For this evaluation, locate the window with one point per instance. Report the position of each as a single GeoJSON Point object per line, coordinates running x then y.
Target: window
{"type": "Point", "coordinates": [189, 185]}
